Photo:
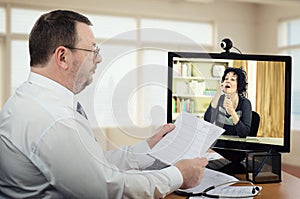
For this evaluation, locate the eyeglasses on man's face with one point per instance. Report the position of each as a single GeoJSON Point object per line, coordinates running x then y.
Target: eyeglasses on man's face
{"type": "Point", "coordinates": [95, 50]}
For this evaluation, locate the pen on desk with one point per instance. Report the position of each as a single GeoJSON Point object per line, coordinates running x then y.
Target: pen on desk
{"type": "Point", "coordinates": [260, 166]}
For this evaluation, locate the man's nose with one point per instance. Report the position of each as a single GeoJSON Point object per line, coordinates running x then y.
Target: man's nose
{"type": "Point", "coordinates": [98, 59]}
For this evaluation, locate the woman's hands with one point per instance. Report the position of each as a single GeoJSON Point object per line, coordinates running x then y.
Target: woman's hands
{"type": "Point", "coordinates": [230, 109]}
{"type": "Point", "coordinates": [228, 105]}
{"type": "Point", "coordinates": [214, 102]}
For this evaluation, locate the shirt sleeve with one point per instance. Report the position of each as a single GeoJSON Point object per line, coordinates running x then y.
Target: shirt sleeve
{"type": "Point", "coordinates": [131, 157]}
{"type": "Point", "coordinates": [75, 165]}
{"type": "Point", "coordinates": [210, 114]}
{"type": "Point", "coordinates": [244, 124]}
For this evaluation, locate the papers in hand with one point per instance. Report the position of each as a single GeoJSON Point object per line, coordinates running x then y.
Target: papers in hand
{"type": "Point", "coordinates": [191, 138]}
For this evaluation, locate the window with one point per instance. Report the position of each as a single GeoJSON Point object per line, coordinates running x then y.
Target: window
{"type": "Point", "coordinates": [1, 72]}
{"type": "Point", "coordinates": [2, 31]}
{"type": "Point", "coordinates": [103, 28]}
{"type": "Point", "coordinates": [200, 33]}
{"type": "Point", "coordinates": [289, 43]}
{"type": "Point", "coordinates": [113, 87]}
{"type": "Point", "coordinates": [289, 32]}
{"type": "Point", "coordinates": [153, 91]}
{"type": "Point", "coordinates": [19, 63]}
{"type": "Point", "coordinates": [2, 20]}
{"type": "Point", "coordinates": [119, 61]}
{"type": "Point", "coordinates": [157, 38]}
{"type": "Point", "coordinates": [22, 20]}
{"type": "Point", "coordinates": [129, 49]}
{"type": "Point", "coordinates": [124, 94]}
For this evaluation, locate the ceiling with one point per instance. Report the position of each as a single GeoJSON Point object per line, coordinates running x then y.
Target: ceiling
{"type": "Point", "coordinates": [269, 2]}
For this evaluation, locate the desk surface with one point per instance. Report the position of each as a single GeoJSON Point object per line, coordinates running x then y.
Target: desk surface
{"type": "Point", "coordinates": [289, 188]}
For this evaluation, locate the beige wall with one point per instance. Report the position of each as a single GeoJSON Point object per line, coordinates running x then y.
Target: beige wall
{"type": "Point", "coordinates": [251, 27]}
{"type": "Point", "coordinates": [293, 158]}
{"type": "Point", "coordinates": [115, 137]}
{"type": "Point", "coordinates": [267, 21]}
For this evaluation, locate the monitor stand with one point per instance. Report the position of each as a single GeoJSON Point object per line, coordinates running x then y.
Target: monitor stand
{"type": "Point", "coordinates": [228, 167]}
{"type": "Point", "coordinates": [232, 163]}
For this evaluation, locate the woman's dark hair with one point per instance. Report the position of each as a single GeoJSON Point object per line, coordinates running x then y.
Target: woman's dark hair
{"type": "Point", "coordinates": [241, 79]}
{"type": "Point", "coordinates": [53, 29]}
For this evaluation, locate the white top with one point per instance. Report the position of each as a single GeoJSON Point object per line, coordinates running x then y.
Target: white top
{"type": "Point", "coordinates": [48, 150]}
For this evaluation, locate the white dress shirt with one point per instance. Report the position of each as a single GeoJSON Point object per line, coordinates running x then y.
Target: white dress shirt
{"type": "Point", "coordinates": [48, 150]}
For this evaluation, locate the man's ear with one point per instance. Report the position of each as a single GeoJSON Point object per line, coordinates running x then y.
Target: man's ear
{"type": "Point", "coordinates": [61, 56]}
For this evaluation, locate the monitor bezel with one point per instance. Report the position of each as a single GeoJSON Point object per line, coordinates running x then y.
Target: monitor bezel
{"type": "Point", "coordinates": [287, 114]}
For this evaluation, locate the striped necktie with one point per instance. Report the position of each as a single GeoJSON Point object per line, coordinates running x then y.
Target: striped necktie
{"type": "Point", "coordinates": [80, 110]}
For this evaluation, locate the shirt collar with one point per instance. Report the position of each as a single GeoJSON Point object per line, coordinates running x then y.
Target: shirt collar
{"type": "Point", "coordinates": [59, 90]}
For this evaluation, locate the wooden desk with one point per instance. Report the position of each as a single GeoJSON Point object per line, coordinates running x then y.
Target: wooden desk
{"type": "Point", "coordinates": [289, 188]}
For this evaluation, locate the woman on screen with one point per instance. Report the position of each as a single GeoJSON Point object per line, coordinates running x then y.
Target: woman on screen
{"type": "Point", "coordinates": [229, 108]}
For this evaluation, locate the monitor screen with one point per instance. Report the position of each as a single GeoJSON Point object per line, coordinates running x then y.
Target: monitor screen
{"type": "Point", "coordinates": [193, 80]}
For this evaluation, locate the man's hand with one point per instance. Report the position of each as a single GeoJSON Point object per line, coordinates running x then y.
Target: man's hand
{"type": "Point", "coordinates": [192, 171]}
{"type": "Point", "coordinates": [162, 131]}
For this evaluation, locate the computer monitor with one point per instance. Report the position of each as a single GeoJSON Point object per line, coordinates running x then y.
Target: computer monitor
{"type": "Point", "coordinates": [193, 79]}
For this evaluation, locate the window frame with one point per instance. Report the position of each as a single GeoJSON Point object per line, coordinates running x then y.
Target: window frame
{"type": "Point", "coordinates": [285, 48]}
{"type": "Point", "coordinates": [9, 37]}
